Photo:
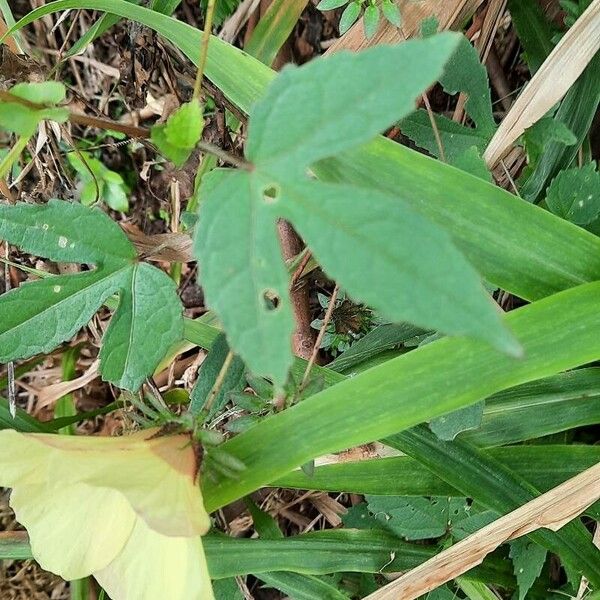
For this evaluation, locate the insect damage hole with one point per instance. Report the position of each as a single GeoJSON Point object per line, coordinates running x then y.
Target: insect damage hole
{"type": "Point", "coordinates": [271, 300]}
{"type": "Point", "coordinates": [271, 193]}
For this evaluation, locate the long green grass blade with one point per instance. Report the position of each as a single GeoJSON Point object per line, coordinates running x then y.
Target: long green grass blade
{"type": "Point", "coordinates": [542, 466]}
{"type": "Point", "coordinates": [539, 408]}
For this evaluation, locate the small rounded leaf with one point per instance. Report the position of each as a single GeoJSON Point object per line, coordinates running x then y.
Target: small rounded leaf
{"type": "Point", "coordinates": [330, 4]}
{"type": "Point", "coordinates": [371, 21]}
{"type": "Point", "coordinates": [349, 16]}
{"type": "Point", "coordinates": [391, 12]}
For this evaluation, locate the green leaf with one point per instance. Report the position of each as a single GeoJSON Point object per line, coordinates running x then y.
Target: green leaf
{"type": "Point", "coordinates": [574, 194]}
{"type": "Point", "coordinates": [528, 560]}
{"type": "Point", "coordinates": [349, 17]}
{"type": "Point", "coordinates": [371, 21]}
{"type": "Point", "coordinates": [184, 126]}
{"type": "Point", "coordinates": [349, 231]}
{"type": "Point", "coordinates": [38, 316]}
{"type": "Point", "coordinates": [302, 587]}
{"type": "Point", "coordinates": [177, 138]}
{"type": "Point", "coordinates": [368, 85]}
{"type": "Point", "coordinates": [207, 375]}
{"type": "Point", "coordinates": [330, 4]}
{"type": "Point", "coordinates": [546, 131]}
{"type": "Point", "coordinates": [464, 73]}
{"type": "Point", "coordinates": [544, 467]}
{"type": "Point", "coordinates": [111, 186]}
{"type": "Point", "coordinates": [242, 271]}
{"type": "Point", "coordinates": [391, 12]}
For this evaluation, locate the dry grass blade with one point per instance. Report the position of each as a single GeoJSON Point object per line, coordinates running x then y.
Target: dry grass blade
{"type": "Point", "coordinates": [168, 247]}
{"type": "Point", "coordinates": [551, 510]}
{"type": "Point", "coordinates": [552, 81]}
{"type": "Point", "coordinates": [448, 13]}
{"type": "Point", "coordinates": [51, 393]}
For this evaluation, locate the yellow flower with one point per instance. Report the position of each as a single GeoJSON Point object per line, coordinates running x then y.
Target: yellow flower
{"type": "Point", "coordinates": [126, 510]}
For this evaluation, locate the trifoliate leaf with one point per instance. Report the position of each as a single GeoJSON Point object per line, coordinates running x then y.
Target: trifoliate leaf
{"type": "Point", "coordinates": [130, 506]}
{"type": "Point", "coordinates": [330, 4]}
{"type": "Point", "coordinates": [177, 138]}
{"type": "Point", "coordinates": [349, 17]}
{"type": "Point", "coordinates": [391, 12]}
{"type": "Point", "coordinates": [574, 194]}
{"type": "Point", "coordinates": [371, 21]}
{"type": "Point", "coordinates": [528, 560]}
{"type": "Point", "coordinates": [39, 315]}
{"type": "Point", "coordinates": [379, 249]}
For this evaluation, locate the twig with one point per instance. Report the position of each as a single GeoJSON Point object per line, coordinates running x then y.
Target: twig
{"type": "Point", "coordinates": [210, 11]}
{"type": "Point", "coordinates": [317, 345]}
{"type": "Point", "coordinates": [436, 132]}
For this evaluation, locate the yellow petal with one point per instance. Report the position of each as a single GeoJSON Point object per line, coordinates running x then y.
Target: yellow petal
{"type": "Point", "coordinates": [156, 474]}
{"type": "Point", "coordinates": [152, 566]}
{"type": "Point", "coordinates": [75, 531]}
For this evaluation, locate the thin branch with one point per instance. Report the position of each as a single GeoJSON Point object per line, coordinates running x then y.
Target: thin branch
{"type": "Point", "coordinates": [210, 11]}
{"type": "Point", "coordinates": [317, 345]}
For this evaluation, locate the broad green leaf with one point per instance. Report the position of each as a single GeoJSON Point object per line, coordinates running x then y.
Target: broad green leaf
{"type": "Point", "coordinates": [146, 324]}
{"type": "Point", "coordinates": [318, 553]}
{"type": "Point", "coordinates": [544, 467]}
{"type": "Point", "coordinates": [391, 12]}
{"type": "Point", "coordinates": [349, 231]}
{"type": "Point", "coordinates": [242, 271]}
{"type": "Point", "coordinates": [40, 315]}
{"type": "Point", "coordinates": [360, 94]}
{"type": "Point", "coordinates": [574, 194]}
{"type": "Point", "coordinates": [371, 21]}
{"type": "Point", "coordinates": [528, 560]}
{"type": "Point", "coordinates": [177, 138]}
{"type": "Point", "coordinates": [349, 17]}
{"type": "Point", "coordinates": [443, 376]}
{"type": "Point", "coordinates": [330, 4]}
{"type": "Point", "coordinates": [239, 210]}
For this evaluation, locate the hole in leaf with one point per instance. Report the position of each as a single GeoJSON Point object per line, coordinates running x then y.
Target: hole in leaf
{"type": "Point", "coordinates": [271, 300]}
{"type": "Point", "coordinates": [271, 193]}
